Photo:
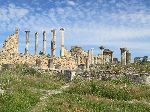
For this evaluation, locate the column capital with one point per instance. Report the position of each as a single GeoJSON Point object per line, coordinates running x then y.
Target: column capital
{"type": "Point", "coordinates": [62, 29]}
{"type": "Point", "coordinates": [44, 32]}
{"type": "Point", "coordinates": [27, 31]}
{"type": "Point", "coordinates": [123, 49]}
{"type": "Point", "coordinates": [101, 47]}
{"type": "Point", "coordinates": [53, 30]}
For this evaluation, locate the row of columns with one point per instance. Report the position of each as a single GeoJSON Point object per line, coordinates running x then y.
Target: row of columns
{"type": "Point", "coordinates": [53, 42]}
{"type": "Point", "coordinates": [125, 57]}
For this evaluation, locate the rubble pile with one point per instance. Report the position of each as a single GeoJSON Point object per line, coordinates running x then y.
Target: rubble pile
{"type": "Point", "coordinates": [111, 72]}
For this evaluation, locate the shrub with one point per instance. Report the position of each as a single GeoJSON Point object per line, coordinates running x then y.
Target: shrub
{"type": "Point", "coordinates": [122, 80]}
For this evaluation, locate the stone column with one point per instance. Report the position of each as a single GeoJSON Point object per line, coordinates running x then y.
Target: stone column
{"type": "Point", "coordinates": [95, 60]}
{"type": "Point", "coordinates": [17, 33]}
{"type": "Point", "coordinates": [89, 56]}
{"type": "Point", "coordinates": [62, 41]}
{"type": "Point", "coordinates": [51, 63]}
{"type": "Point", "coordinates": [88, 60]}
{"type": "Point", "coordinates": [112, 57]}
{"type": "Point", "coordinates": [92, 57]}
{"type": "Point", "coordinates": [123, 56]}
{"type": "Point", "coordinates": [128, 57]}
{"type": "Point", "coordinates": [44, 42]}
{"type": "Point", "coordinates": [27, 42]}
{"type": "Point", "coordinates": [87, 63]}
{"type": "Point", "coordinates": [102, 54]}
{"type": "Point", "coordinates": [53, 43]}
{"type": "Point", "coordinates": [36, 43]}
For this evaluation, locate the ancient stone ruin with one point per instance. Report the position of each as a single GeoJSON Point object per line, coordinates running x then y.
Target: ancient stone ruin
{"type": "Point", "coordinates": [67, 60]}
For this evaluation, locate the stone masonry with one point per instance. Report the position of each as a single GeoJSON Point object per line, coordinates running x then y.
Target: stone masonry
{"type": "Point", "coordinates": [9, 54]}
{"type": "Point", "coordinates": [68, 59]}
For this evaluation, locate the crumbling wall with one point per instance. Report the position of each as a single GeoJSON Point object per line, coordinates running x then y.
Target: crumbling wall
{"type": "Point", "coordinates": [43, 61]}
{"type": "Point", "coordinates": [99, 59]}
{"type": "Point", "coordinates": [9, 55]}
{"type": "Point", "coordinates": [67, 53]}
{"type": "Point", "coordinates": [64, 63]}
{"type": "Point", "coordinates": [79, 54]}
{"type": "Point", "coordinates": [9, 49]}
{"type": "Point", "coordinates": [11, 44]}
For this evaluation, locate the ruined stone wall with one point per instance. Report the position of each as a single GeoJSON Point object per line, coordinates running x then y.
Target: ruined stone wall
{"type": "Point", "coordinates": [11, 44]}
{"type": "Point", "coordinates": [99, 59]}
{"type": "Point", "coordinates": [67, 53]}
{"type": "Point", "coordinates": [79, 54]}
{"type": "Point", "coordinates": [9, 49]}
{"type": "Point", "coordinates": [107, 58]}
{"type": "Point", "coordinates": [9, 55]}
{"type": "Point", "coordinates": [65, 63]}
{"type": "Point", "coordinates": [42, 61]}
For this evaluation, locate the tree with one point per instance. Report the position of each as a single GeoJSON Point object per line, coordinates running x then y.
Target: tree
{"type": "Point", "coordinates": [40, 53]}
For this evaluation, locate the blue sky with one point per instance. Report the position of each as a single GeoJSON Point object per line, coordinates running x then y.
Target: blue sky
{"type": "Point", "coordinates": [87, 23]}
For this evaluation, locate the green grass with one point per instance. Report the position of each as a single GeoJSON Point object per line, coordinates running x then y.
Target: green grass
{"type": "Point", "coordinates": [111, 90]}
{"type": "Point", "coordinates": [18, 101]}
{"type": "Point", "coordinates": [23, 75]}
{"type": "Point", "coordinates": [90, 103]}
{"type": "Point", "coordinates": [22, 87]}
{"type": "Point", "coordinates": [101, 96]}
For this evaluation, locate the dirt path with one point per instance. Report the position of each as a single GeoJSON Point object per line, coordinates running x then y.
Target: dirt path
{"type": "Point", "coordinates": [44, 99]}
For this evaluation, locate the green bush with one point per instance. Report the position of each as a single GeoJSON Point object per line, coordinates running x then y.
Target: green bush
{"type": "Point", "coordinates": [122, 80]}
{"type": "Point", "coordinates": [110, 92]}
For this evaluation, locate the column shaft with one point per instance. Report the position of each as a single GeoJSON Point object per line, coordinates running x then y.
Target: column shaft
{"type": "Point", "coordinates": [62, 42]}
{"type": "Point", "coordinates": [17, 33]}
{"type": "Point", "coordinates": [27, 42]}
{"type": "Point", "coordinates": [88, 61]}
{"type": "Point", "coordinates": [102, 53]}
{"type": "Point", "coordinates": [95, 60]}
{"type": "Point", "coordinates": [36, 43]}
{"type": "Point", "coordinates": [44, 42]}
{"type": "Point", "coordinates": [123, 56]}
{"type": "Point", "coordinates": [53, 43]}
{"type": "Point", "coordinates": [92, 57]}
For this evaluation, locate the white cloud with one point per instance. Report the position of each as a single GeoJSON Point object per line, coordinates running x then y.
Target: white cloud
{"type": "Point", "coordinates": [12, 12]}
{"type": "Point", "coordinates": [60, 10]}
{"type": "Point", "coordinates": [72, 3]}
{"type": "Point", "coordinates": [10, 15]}
{"type": "Point", "coordinates": [85, 24]}
{"type": "Point", "coordinates": [113, 36]}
